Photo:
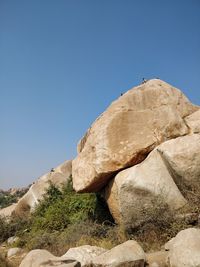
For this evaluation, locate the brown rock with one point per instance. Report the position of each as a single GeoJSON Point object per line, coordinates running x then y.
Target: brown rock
{"type": "Point", "coordinates": [128, 130]}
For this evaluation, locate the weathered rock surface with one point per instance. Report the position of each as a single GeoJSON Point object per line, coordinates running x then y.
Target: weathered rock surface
{"type": "Point", "coordinates": [164, 172]}
{"type": "Point", "coordinates": [128, 130]}
{"type": "Point", "coordinates": [7, 212]}
{"type": "Point", "coordinates": [184, 249]}
{"type": "Point", "coordinates": [84, 254]}
{"type": "Point", "coordinates": [133, 189]}
{"type": "Point", "coordinates": [157, 259]}
{"type": "Point", "coordinates": [182, 156]}
{"type": "Point", "coordinates": [28, 202]}
{"type": "Point", "coordinates": [128, 254]}
{"type": "Point", "coordinates": [43, 258]}
{"type": "Point", "coordinates": [193, 122]}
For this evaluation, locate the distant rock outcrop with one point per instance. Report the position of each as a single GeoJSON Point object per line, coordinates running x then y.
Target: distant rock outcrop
{"type": "Point", "coordinates": [57, 176]}
{"type": "Point", "coordinates": [128, 130]}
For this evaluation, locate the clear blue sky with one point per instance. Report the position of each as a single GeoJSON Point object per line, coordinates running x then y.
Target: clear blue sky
{"type": "Point", "coordinates": [63, 62]}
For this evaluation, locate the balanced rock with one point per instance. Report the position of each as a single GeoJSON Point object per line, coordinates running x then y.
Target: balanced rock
{"type": "Point", "coordinates": [184, 249]}
{"type": "Point", "coordinates": [128, 130]}
{"type": "Point", "coordinates": [57, 176]}
{"type": "Point", "coordinates": [129, 254]}
{"type": "Point", "coordinates": [43, 258]}
{"type": "Point", "coordinates": [84, 254]}
{"type": "Point", "coordinates": [134, 188]}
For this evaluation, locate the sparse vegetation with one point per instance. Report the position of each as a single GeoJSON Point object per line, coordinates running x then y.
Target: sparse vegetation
{"type": "Point", "coordinates": [65, 219]}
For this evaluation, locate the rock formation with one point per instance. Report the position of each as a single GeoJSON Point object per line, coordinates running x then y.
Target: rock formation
{"type": "Point", "coordinates": [128, 130]}
{"type": "Point", "coordinates": [163, 173]}
{"type": "Point", "coordinates": [28, 202]}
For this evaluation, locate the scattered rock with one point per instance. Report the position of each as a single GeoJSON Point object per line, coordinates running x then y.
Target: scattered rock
{"type": "Point", "coordinates": [184, 249]}
{"type": "Point", "coordinates": [128, 130]}
{"type": "Point", "coordinates": [13, 251]}
{"type": "Point", "coordinates": [128, 254]}
{"type": "Point", "coordinates": [84, 254]}
{"type": "Point", "coordinates": [43, 258]}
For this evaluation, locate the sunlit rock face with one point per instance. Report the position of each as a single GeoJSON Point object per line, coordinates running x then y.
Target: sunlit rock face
{"type": "Point", "coordinates": [163, 174]}
{"type": "Point", "coordinates": [128, 130]}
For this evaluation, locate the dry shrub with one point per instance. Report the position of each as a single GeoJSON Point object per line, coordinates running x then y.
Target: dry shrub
{"type": "Point", "coordinates": [157, 224]}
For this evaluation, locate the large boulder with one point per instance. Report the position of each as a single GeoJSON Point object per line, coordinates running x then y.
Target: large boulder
{"type": "Point", "coordinates": [182, 158]}
{"type": "Point", "coordinates": [134, 189]}
{"type": "Point", "coordinates": [128, 254]}
{"type": "Point", "coordinates": [84, 254]}
{"type": "Point", "coordinates": [57, 176]}
{"type": "Point", "coordinates": [193, 122]}
{"type": "Point", "coordinates": [128, 130]}
{"type": "Point", "coordinates": [163, 173]}
{"type": "Point", "coordinates": [43, 258]}
{"type": "Point", "coordinates": [184, 249]}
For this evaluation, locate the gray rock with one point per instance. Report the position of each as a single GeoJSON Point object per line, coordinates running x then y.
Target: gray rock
{"type": "Point", "coordinates": [184, 249]}
{"type": "Point", "coordinates": [129, 254]}
{"type": "Point", "coordinates": [43, 258]}
{"type": "Point", "coordinates": [84, 254]}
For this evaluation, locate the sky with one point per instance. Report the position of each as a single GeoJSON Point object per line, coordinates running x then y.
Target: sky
{"type": "Point", "coordinates": [63, 62]}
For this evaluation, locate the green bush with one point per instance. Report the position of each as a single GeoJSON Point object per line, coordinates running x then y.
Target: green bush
{"type": "Point", "coordinates": [59, 208]}
{"type": "Point", "coordinates": [12, 226]}
{"type": "Point", "coordinates": [62, 217]}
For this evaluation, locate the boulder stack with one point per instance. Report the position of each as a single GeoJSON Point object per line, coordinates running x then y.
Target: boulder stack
{"type": "Point", "coordinates": [129, 130]}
